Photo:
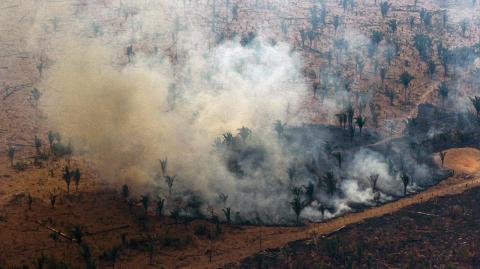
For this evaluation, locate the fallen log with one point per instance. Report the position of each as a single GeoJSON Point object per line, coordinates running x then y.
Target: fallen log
{"type": "Point", "coordinates": [57, 231]}
{"type": "Point", "coordinates": [109, 230]}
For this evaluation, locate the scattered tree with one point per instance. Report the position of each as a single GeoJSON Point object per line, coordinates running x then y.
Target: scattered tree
{"type": "Point", "coordinates": [405, 180]}
{"type": "Point", "coordinates": [442, 156]}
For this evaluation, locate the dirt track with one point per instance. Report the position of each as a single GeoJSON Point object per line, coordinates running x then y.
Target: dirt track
{"type": "Point", "coordinates": [265, 238]}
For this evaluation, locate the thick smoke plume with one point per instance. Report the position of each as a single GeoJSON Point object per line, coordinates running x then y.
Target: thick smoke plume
{"type": "Point", "coordinates": [131, 83]}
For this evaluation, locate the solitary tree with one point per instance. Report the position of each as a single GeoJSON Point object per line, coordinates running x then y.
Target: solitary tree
{"type": "Point", "coordinates": [125, 191]}
{"type": "Point", "coordinates": [53, 199]}
{"type": "Point", "coordinates": [330, 183]}
{"type": "Point", "coordinates": [406, 180]}
{"type": "Point", "coordinates": [37, 143]}
{"type": "Point", "coordinates": [442, 156]}
{"type": "Point", "coordinates": [11, 154]}
{"type": "Point", "coordinates": [405, 79]}
{"type": "Point", "coordinates": [384, 8]}
{"type": "Point", "coordinates": [339, 157]}
{"type": "Point", "coordinates": [67, 177]}
{"type": "Point", "coordinates": [360, 121]}
{"type": "Point", "coordinates": [336, 23]}
{"type": "Point", "coordinates": [145, 202]}
{"type": "Point", "coordinates": [223, 197]}
{"type": "Point", "coordinates": [163, 166]}
{"type": "Point", "coordinates": [464, 26]}
{"type": "Point", "coordinates": [297, 206]}
{"type": "Point", "coordinates": [280, 128]}
{"type": "Point", "coordinates": [244, 133]}
{"type": "Point", "coordinates": [29, 201]}
{"type": "Point", "coordinates": [76, 178]}
{"type": "Point", "coordinates": [51, 139]}
{"type": "Point", "coordinates": [170, 180]}
{"type": "Point", "coordinates": [160, 205]}
{"type": "Point", "coordinates": [373, 181]}
{"type": "Point", "coordinates": [227, 212]}
{"type": "Point", "coordinates": [393, 25]}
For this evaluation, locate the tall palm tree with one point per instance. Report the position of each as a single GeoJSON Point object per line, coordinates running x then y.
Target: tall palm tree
{"type": "Point", "coordinates": [169, 180]}
{"type": "Point", "coordinates": [405, 180]}
{"type": "Point", "coordinates": [405, 79]}
{"type": "Point", "coordinates": [11, 154]}
{"type": "Point", "coordinates": [67, 177]}
{"type": "Point", "coordinates": [360, 121]}
{"type": "Point", "coordinates": [330, 183]}
{"type": "Point", "coordinates": [297, 206]}
{"type": "Point", "coordinates": [244, 133]}
{"type": "Point", "coordinates": [76, 178]}
{"type": "Point", "coordinates": [280, 128]}
{"type": "Point", "coordinates": [145, 199]}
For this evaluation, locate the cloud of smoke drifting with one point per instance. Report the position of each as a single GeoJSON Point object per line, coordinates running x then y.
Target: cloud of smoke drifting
{"type": "Point", "coordinates": [180, 92]}
{"type": "Point", "coordinates": [127, 117]}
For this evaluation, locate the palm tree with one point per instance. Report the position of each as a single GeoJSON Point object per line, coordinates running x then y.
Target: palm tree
{"type": "Point", "coordinates": [77, 234]}
{"type": "Point", "coordinates": [160, 204]}
{"type": "Point", "coordinates": [405, 79]}
{"type": "Point", "coordinates": [342, 119]}
{"type": "Point", "coordinates": [443, 92]}
{"type": "Point", "coordinates": [376, 37]}
{"type": "Point", "coordinates": [223, 197]}
{"type": "Point", "coordinates": [442, 156]}
{"type": "Point", "coordinates": [53, 199]}
{"type": "Point", "coordinates": [76, 178]}
{"type": "Point", "coordinates": [373, 181]}
{"type": "Point", "coordinates": [244, 133]}
{"type": "Point", "coordinates": [393, 25]}
{"type": "Point", "coordinates": [37, 143]}
{"type": "Point", "coordinates": [339, 157]}
{"type": "Point", "coordinates": [163, 166]}
{"type": "Point", "coordinates": [280, 128]}
{"type": "Point", "coordinates": [336, 23]}
{"type": "Point", "coordinates": [309, 191]}
{"type": "Point", "coordinates": [125, 191]}
{"type": "Point", "coordinates": [384, 8]}
{"type": "Point", "coordinates": [297, 206]}
{"type": "Point", "coordinates": [29, 201]}
{"type": "Point", "coordinates": [228, 138]}
{"type": "Point", "coordinates": [51, 139]}
{"type": "Point", "coordinates": [431, 68]}
{"type": "Point", "coordinates": [330, 182]}
{"type": "Point", "coordinates": [67, 177]}
{"type": "Point", "coordinates": [11, 154]}
{"type": "Point", "coordinates": [145, 202]}
{"type": "Point", "coordinates": [227, 212]}
{"type": "Point", "coordinates": [383, 74]}
{"type": "Point", "coordinates": [406, 180]}
{"type": "Point", "coordinates": [464, 26]}
{"type": "Point", "coordinates": [476, 104]}
{"type": "Point", "coordinates": [360, 121]}
{"type": "Point", "coordinates": [170, 180]}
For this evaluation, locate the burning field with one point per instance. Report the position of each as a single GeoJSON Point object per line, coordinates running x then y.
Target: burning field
{"type": "Point", "coordinates": [160, 133]}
